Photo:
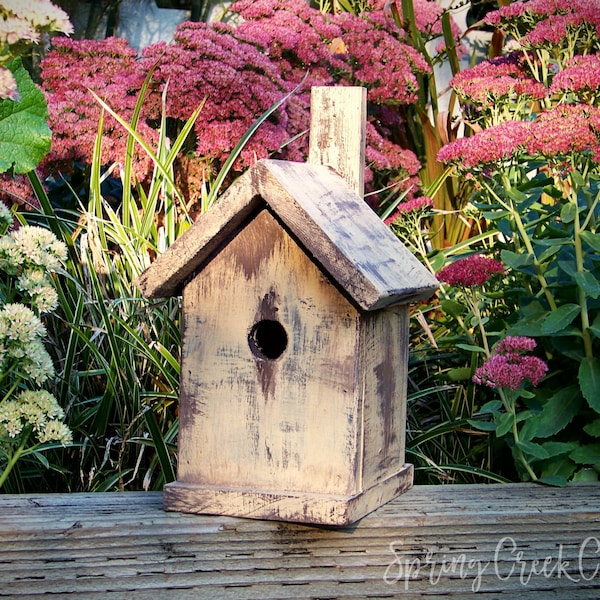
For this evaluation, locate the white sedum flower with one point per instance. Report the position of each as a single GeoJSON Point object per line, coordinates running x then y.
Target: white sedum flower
{"type": "Point", "coordinates": [36, 286]}
{"type": "Point", "coordinates": [11, 423]}
{"type": "Point", "coordinates": [38, 410]}
{"type": "Point", "coordinates": [56, 431]}
{"type": "Point", "coordinates": [6, 216]}
{"type": "Point", "coordinates": [42, 14]}
{"type": "Point", "coordinates": [39, 247]}
{"type": "Point", "coordinates": [21, 323]}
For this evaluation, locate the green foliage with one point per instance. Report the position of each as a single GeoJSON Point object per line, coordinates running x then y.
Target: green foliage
{"type": "Point", "coordinates": [24, 132]}
{"type": "Point", "coordinates": [117, 353]}
{"type": "Point", "coordinates": [538, 204]}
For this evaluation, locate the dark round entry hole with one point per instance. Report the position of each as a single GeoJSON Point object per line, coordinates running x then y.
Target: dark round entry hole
{"type": "Point", "coordinates": [268, 339]}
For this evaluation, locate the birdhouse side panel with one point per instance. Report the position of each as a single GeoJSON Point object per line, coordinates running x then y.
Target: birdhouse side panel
{"type": "Point", "coordinates": [268, 379]}
{"type": "Point", "coordinates": [384, 356]}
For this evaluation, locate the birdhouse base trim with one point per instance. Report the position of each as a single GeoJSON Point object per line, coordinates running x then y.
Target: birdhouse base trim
{"type": "Point", "coordinates": [321, 509]}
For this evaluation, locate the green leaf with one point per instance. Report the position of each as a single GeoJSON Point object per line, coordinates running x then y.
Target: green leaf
{"type": "Point", "coordinates": [558, 412]}
{"type": "Point", "coordinates": [595, 326]}
{"type": "Point", "coordinates": [161, 446]}
{"type": "Point", "coordinates": [553, 191]}
{"type": "Point", "coordinates": [589, 381]}
{"type": "Point", "coordinates": [586, 475]}
{"type": "Point", "coordinates": [586, 455]}
{"type": "Point", "coordinates": [577, 178]}
{"type": "Point", "coordinates": [452, 308]}
{"type": "Point", "coordinates": [555, 449]}
{"type": "Point", "coordinates": [470, 348]}
{"type": "Point", "coordinates": [588, 283]}
{"type": "Point", "coordinates": [560, 318]}
{"type": "Point", "coordinates": [535, 450]}
{"type": "Point", "coordinates": [569, 267]}
{"type": "Point", "coordinates": [568, 212]}
{"type": "Point", "coordinates": [593, 428]}
{"type": "Point", "coordinates": [459, 374]}
{"type": "Point", "coordinates": [515, 194]}
{"type": "Point", "coordinates": [553, 480]}
{"type": "Point", "coordinates": [482, 425]}
{"type": "Point", "coordinates": [504, 423]}
{"type": "Point", "coordinates": [591, 239]}
{"type": "Point", "coordinates": [548, 253]}
{"type": "Point", "coordinates": [24, 132]}
{"type": "Point", "coordinates": [516, 261]}
{"type": "Point", "coordinates": [490, 408]}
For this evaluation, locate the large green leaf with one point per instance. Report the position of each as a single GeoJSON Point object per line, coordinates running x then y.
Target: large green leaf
{"type": "Point", "coordinates": [589, 381]}
{"type": "Point", "coordinates": [24, 132]}
{"type": "Point", "coordinates": [558, 412]}
{"type": "Point", "coordinates": [560, 318]}
{"type": "Point", "coordinates": [586, 455]}
{"type": "Point", "coordinates": [591, 239]}
{"type": "Point", "coordinates": [588, 283]}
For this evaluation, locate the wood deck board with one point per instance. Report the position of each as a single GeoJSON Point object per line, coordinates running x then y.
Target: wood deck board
{"type": "Point", "coordinates": [419, 545]}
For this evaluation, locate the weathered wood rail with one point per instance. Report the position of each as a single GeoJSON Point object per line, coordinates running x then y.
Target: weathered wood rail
{"type": "Point", "coordinates": [496, 541]}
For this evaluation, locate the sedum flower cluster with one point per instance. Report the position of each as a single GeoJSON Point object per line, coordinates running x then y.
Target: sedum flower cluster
{"type": "Point", "coordinates": [509, 366]}
{"type": "Point", "coordinates": [540, 99]}
{"type": "Point", "coordinates": [28, 256]}
{"type": "Point", "coordinates": [38, 411]}
{"type": "Point", "coordinates": [22, 24]}
{"type": "Point", "coordinates": [474, 270]}
{"type": "Point", "coordinates": [28, 417]}
{"type": "Point", "coordinates": [237, 71]}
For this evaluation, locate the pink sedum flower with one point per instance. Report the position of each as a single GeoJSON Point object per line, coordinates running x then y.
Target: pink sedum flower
{"type": "Point", "coordinates": [509, 367]}
{"type": "Point", "coordinates": [564, 131]}
{"type": "Point", "coordinates": [515, 343]}
{"type": "Point", "coordinates": [580, 77]}
{"type": "Point", "coordinates": [419, 206]}
{"type": "Point", "coordinates": [498, 79]}
{"type": "Point", "coordinates": [493, 146]}
{"type": "Point", "coordinates": [474, 270]}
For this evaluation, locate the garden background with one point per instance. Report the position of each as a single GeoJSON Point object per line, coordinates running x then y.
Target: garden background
{"type": "Point", "coordinates": [109, 153]}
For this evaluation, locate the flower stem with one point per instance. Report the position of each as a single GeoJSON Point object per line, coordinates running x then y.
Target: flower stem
{"type": "Point", "coordinates": [477, 315]}
{"type": "Point", "coordinates": [585, 317]}
{"type": "Point", "coordinates": [509, 405]}
{"type": "Point", "coordinates": [14, 458]}
{"type": "Point", "coordinates": [528, 245]}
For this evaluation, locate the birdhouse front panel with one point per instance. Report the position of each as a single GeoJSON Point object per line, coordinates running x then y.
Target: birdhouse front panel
{"type": "Point", "coordinates": [270, 398]}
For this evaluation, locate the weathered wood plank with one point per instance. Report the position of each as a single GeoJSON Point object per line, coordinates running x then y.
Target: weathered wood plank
{"type": "Point", "coordinates": [449, 541]}
{"type": "Point", "coordinates": [338, 132]}
{"type": "Point", "coordinates": [342, 233]}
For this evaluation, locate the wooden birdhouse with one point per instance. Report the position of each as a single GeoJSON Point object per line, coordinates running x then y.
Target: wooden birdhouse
{"type": "Point", "coordinates": [295, 299]}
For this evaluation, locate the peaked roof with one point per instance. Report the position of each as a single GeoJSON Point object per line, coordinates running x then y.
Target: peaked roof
{"type": "Point", "coordinates": [334, 225]}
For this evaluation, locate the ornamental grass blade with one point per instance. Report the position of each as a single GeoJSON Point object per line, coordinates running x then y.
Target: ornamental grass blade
{"type": "Point", "coordinates": [164, 172]}
{"type": "Point", "coordinates": [160, 445]}
{"type": "Point", "coordinates": [233, 156]}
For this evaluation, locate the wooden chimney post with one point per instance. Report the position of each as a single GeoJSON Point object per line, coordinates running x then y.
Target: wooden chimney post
{"type": "Point", "coordinates": [295, 300]}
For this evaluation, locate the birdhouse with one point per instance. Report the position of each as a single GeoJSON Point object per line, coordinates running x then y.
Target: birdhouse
{"type": "Point", "coordinates": [295, 314]}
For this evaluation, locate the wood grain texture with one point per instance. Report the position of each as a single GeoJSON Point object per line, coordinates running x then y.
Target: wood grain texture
{"type": "Point", "coordinates": [287, 424]}
{"type": "Point", "coordinates": [325, 418]}
{"type": "Point", "coordinates": [337, 229]}
{"type": "Point", "coordinates": [338, 132]}
{"type": "Point", "coordinates": [124, 546]}
{"type": "Point", "coordinates": [276, 505]}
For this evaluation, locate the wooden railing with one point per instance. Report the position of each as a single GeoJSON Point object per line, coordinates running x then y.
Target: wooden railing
{"type": "Point", "coordinates": [481, 541]}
